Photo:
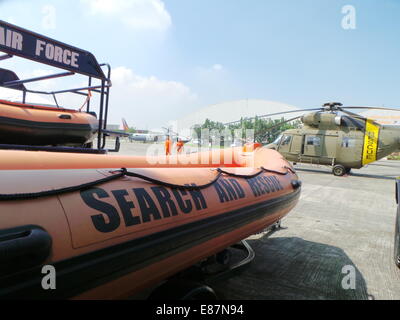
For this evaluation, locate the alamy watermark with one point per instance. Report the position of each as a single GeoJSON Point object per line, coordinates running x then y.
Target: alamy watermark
{"type": "Point", "coordinates": [49, 280]}
{"type": "Point", "coordinates": [49, 17]}
{"type": "Point", "coordinates": [349, 280]}
{"type": "Point", "coordinates": [349, 19]}
{"type": "Point", "coordinates": [207, 147]}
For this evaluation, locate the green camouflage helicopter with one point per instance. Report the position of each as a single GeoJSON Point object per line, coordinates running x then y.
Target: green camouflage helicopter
{"type": "Point", "coordinates": [334, 136]}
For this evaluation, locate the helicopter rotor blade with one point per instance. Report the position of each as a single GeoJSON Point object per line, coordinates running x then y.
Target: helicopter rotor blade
{"type": "Point", "coordinates": [368, 108]}
{"type": "Point", "coordinates": [274, 114]}
{"type": "Point", "coordinates": [355, 122]}
{"type": "Point", "coordinates": [338, 108]}
{"type": "Point", "coordinates": [371, 108]}
{"type": "Point", "coordinates": [169, 130]}
{"type": "Point", "coordinates": [355, 115]}
{"type": "Point", "coordinates": [282, 122]}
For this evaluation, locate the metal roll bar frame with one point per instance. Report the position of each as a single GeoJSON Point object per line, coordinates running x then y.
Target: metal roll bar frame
{"type": "Point", "coordinates": [89, 67]}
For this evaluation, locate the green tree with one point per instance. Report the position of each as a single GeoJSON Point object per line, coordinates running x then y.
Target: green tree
{"type": "Point", "coordinates": [265, 130]}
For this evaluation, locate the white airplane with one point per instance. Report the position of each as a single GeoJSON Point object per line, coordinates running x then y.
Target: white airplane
{"type": "Point", "coordinates": [175, 136]}
{"type": "Point", "coordinates": [144, 137]}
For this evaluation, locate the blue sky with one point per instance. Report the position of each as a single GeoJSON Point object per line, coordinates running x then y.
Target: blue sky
{"type": "Point", "coordinates": [171, 57]}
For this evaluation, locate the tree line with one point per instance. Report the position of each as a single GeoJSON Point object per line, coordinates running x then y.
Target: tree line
{"type": "Point", "coordinates": [265, 130]}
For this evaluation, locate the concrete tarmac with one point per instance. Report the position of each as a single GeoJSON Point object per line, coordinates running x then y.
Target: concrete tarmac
{"type": "Point", "coordinates": [340, 227]}
{"type": "Point", "coordinates": [340, 224]}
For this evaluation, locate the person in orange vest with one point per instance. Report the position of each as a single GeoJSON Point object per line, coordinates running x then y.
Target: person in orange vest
{"type": "Point", "coordinates": [251, 146]}
{"type": "Point", "coordinates": [179, 145]}
{"type": "Point", "coordinates": [167, 146]}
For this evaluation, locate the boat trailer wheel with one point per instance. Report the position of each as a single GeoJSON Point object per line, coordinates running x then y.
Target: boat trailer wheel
{"type": "Point", "coordinates": [223, 257]}
{"type": "Point", "coordinates": [276, 225]}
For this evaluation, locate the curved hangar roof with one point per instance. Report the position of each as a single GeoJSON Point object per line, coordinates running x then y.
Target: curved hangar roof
{"type": "Point", "coordinates": [383, 116]}
{"type": "Point", "coordinates": [233, 111]}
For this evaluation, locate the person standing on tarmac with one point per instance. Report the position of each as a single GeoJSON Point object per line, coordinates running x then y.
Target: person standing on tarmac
{"type": "Point", "coordinates": [167, 146]}
{"type": "Point", "coordinates": [179, 145]}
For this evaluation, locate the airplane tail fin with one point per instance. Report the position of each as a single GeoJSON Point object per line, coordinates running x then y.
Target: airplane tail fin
{"type": "Point", "coordinates": [125, 125]}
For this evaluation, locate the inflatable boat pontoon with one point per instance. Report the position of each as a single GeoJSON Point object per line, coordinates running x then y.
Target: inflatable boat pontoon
{"type": "Point", "coordinates": [112, 226]}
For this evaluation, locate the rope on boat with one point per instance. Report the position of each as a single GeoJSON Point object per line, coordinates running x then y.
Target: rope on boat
{"type": "Point", "coordinates": [124, 172]}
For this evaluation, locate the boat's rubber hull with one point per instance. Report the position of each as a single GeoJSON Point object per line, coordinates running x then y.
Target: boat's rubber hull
{"type": "Point", "coordinates": [113, 239]}
{"type": "Point", "coordinates": [33, 125]}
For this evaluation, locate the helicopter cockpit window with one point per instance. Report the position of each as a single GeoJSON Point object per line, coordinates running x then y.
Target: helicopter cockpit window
{"type": "Point", "coordinates": [277, 140]}
{"type": "Point", "coordinates": [348, 142]}
{"type": "Point", "coordinates": [286, 140]}
{"type": "Point", "coordinates": [313, 141]}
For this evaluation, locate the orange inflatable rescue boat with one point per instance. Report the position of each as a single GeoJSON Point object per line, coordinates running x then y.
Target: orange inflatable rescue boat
{"type": "Point", "coordinates": [112, 226]}
{"type": "Point", "coordinates": [78, 223]}
{"type": "Point", "coordinates": [22, 123]}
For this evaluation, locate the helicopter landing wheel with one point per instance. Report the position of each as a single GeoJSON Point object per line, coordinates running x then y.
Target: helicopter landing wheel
{"type": "Point", "coordinates": [338, 170]}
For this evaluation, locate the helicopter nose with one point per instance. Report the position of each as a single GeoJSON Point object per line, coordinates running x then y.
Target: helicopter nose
{"type": "Point", "coordinates": [270, 146]}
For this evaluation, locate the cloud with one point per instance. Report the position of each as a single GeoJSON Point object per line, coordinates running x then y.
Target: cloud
{"type": "Point", "coordinates": [137, 14]}
{"type": "Point", "coordinates": [147, 101]}
{"type": "Point", "coordinates": [16, 96]}
{"type": "Point", "coordinates": [67, 100]}
{"type": "Point", "coordinates": [10, 19]}
{"type": "Point", "coordinates": [144, 101]}
{"type": "Point", "coordinates": [43, 85]}
{"type": "Point", "coordinates": [217, 67]}
{"type": "Point", "coordinates": [216, 83]}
